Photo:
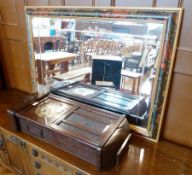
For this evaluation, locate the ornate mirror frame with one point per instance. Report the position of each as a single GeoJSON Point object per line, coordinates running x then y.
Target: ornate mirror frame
{"type": "Point", "coordinates": [171, 18]}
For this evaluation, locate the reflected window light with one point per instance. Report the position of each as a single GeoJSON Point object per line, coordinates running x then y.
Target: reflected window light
{"type": "Point", "coordinates": [106, 128]}
{"type": "Point", "coordinates": [141, 157]}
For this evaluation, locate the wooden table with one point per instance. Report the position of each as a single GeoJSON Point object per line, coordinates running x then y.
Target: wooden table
{"type": "Point", "coordinates": [133, 75]}
{"type": "Point", "coordinates": [51, 59]}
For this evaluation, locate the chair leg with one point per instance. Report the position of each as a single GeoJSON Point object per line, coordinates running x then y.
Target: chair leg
{"type": "Point", "coordinates": [51, 67]}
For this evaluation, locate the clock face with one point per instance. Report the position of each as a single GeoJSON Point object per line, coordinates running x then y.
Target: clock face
{"type": "Point", "coordinates": [52, 109]}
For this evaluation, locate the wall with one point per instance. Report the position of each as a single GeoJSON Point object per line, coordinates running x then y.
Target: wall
{"type": "Point", "coordinates": [178, 115]}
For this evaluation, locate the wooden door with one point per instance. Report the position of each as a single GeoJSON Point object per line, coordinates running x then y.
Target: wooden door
{"type": "Point", "coordinates": [17, 154]}
{"type": "Point", "coordinates": [4, 158]}
{"type": "Point", "coordinates": [14, 46]}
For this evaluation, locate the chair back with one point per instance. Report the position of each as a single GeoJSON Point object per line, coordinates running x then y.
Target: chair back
{"type": "Point", "coordinates": [57, 45]}
{"type": "Point", "coordinates": [144, 57]}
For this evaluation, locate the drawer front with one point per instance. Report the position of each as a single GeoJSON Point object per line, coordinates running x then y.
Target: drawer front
{"type": "Point", "coordinates": [36, 130]}
{"type": "Point", "coordinates": [30, 128]}
{"type": "Point", "coordinates": [43, 163]}
{"type": "Point", "coordinates": [43, 168]}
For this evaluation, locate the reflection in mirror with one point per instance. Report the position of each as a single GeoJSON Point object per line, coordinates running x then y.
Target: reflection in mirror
{"type": "Point", "coordinates": [110, 62]}
{"type": "Point", "coordinates": [121, 55]}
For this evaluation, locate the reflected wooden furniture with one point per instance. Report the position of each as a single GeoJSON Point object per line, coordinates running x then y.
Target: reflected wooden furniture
{"type": "Point", "coordinates": [106, 68]}
{"type": "Point", "coordinates": [136, 77]}
{"type": "Point", "coordinates": [105, 98]}
{"type": "Point", "coordinates": [50, 59]}
{"type": "Point", "coordinates": [44, 40]}
{"type": "Point", "coordinates": [104, 46]}
{"type": "Point", "coordinates": [82, 74]}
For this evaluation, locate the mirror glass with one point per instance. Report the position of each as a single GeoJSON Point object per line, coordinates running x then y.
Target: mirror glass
{"type": "Point", "coordinates": [123, 55]}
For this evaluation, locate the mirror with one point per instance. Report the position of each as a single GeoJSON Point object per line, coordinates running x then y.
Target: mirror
{"type": "Point", "coordinates": [124, 57]}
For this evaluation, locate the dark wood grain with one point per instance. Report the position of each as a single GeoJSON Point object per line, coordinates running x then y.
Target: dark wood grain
{"type": "Point", "coordinates": [73, 131]}
{"type": "Point", "coordinates": [144, 157]}
{"type": "Point", "coordinates": [2, 81]}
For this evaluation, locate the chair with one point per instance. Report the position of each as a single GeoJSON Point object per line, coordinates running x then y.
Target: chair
{"type": "Point", "coordinates": [137, 62]}
{"type": "Point", "coordinates": [73, 47]}
{"type": "Point", "coordinates": [63, 46]}
{"type": "Point", "coordinates": [70, 47]}
{"type": "Point", "coordinates": [57, 45]}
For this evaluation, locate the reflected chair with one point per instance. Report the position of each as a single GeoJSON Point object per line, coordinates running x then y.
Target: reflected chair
{"type": "Point", "coordinates": [136, 61]}
{"type": "Point", "coordinates": [73, 47]}
{"type": "Point", "coordinates": [57, 45]}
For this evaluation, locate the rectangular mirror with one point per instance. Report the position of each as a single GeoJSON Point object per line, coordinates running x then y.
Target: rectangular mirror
{"type": "Point", "coordinates": [119, 59]}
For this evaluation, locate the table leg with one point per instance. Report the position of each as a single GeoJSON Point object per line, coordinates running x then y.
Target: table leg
{"type": "Point", "coordinates": [133, 87]}
{"type": "Point", "coordinates": [122, 82]}
{"type": "Point", "coordinates": [138, 84]}
{"type": "Point", "coordinates": [40, 71]}
{"type": "Point", "coordinates": [64, 67]}
{"type": "Point", "coordinates": [51, 67]}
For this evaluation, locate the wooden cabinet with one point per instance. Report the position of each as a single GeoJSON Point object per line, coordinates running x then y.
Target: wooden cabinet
{"type": "Point", "coordinates": [24, 158]}
{"type": "Point", "coordinates": [44, 163]}
{"type": "Point", "coordinates": [106, 69]}
{"type": "Point", "coordinates": [13, 46]}
{"type": "Point", "coordinates": [4, 158]}
{"type": "Point", "coordinates": [16, 150]}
